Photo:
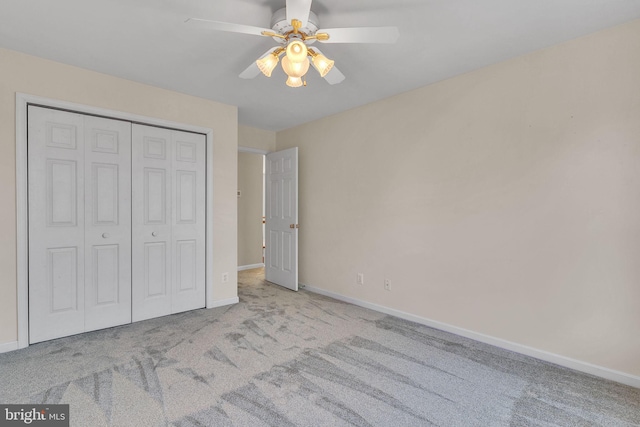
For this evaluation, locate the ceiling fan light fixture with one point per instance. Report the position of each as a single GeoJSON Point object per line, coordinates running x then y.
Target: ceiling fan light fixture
{"type": "Point", "coordinates": [297, 51]}
{"type": "Point", "coordinates": [323, 64]}
{"type": "Point", "coordinates": [268, 64]}
{"type": "Point", "coordinates": [294, 81]}
{"type": "Point", "coordinates": [294, 38]}
{"type": "Point", "coordinates": [295, 69]}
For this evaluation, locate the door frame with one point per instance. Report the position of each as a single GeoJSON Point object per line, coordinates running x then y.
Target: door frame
{"type": "Point", "coordinates": [22, 235]}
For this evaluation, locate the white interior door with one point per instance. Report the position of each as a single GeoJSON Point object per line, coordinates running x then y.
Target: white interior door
{"type": "Point", "coordinates": [56, 224]}
{"type": "Point", "coordinates": [107, 206]}
{"type": "Point", "coordinates": [281, 219]}
{"type": "Point", "coordinates": [151, 222]}
{"type": "Point", "coordinates": [79, 223]}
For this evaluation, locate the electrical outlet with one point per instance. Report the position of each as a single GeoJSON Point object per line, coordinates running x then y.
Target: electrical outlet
{"type": "Point", "coordinates": [225, 277]}
{"type": "Point", "coordinates": [387, 284]}
{"type": "Point", "coordinates": [360, 279]}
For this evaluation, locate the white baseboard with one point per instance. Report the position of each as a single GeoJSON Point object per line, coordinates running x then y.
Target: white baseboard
{"type": "Point", "coordinates": [8, 346]}
{"type": "Point", "coordinates": [250, 267]}
{"type": "Point", "coordinates": [223, 302]}
{"type": "Point", "coordinates": [567, 362]}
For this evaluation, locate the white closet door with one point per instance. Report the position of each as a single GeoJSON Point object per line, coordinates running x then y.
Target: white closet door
{"type": "Point", "coordinates": [168, 211]}
{"type": "Point", "coordinates": [56, 224]}
{"type": "Point", "coordinates": [188, 220]}
{"type": "Point", "coordinates": [79, 223]}
{"type": "Point", "coordinates": [116, 222]}
{"type": "Point", "coordinates": [151, 222]}
{"type": "Point", "coordinates": [107, 205]}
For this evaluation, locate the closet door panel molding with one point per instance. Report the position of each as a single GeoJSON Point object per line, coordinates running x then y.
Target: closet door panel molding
{"type": "Point", "coordinates": [56, 224]}
{"type": "Point", "coordinates": [152, 218]}
{"type": "Point", "coordinates": [107, 207]}
{"type": "Point", "coordinates": [188, 246]}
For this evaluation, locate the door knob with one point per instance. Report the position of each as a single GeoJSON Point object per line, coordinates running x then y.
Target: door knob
{"type": "Point", "coordinates": [154, 233]}
{"type": "Point", "coordinates": [105, 235]}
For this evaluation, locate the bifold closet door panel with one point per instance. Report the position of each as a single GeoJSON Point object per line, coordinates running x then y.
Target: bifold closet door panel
{"type": "Point", "coordinates": [188, 221]}
{"type": "Point", "coordinates": [107, 204]}
{"type": "Point", "coordinates": [79, 223]}
{"type": "Point", "coordinates": [151, 222]}
{"type": "Point", "coordinates": [56, 224]}
{"type": "Point", "coordinates": [169, 207]}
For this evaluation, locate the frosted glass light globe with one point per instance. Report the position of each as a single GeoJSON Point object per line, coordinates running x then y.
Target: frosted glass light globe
{"type": "Point", "coordinates": [295, 69]}
{"type": "Point", "coordinates": [296, 51]}
{"type": "Point", "coordinates": [294, 82]}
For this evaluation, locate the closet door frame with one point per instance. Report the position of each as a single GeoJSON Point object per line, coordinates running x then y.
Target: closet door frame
{"type": "Point", "coordinates": [22, 102]}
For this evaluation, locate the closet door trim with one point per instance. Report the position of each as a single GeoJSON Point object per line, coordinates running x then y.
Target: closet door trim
{"type": "Point", "coordinates": [22, 201]}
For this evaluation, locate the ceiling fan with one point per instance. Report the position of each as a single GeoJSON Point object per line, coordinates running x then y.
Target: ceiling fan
{"type": "Point", "coordinates": [296, 28]}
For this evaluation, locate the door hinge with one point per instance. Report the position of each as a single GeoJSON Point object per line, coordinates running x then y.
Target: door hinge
{"type": "Point", "coordinates": [294, 225]}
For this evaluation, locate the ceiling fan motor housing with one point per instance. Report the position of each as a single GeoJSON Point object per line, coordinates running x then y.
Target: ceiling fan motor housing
{"type": "Point", "coordinates": [280, 25]}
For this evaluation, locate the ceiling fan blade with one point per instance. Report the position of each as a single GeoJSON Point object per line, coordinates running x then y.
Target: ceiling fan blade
{"type": "Point", "coordinates": [334, 76]}
{"type": "Point", "coordinates": [298, 9]}
{"type": "Point", "coordinates": [227, 26]}
{"type": "Point", "coordinates": [252, 70]}
{"type": "Point", "coordinates": [361, 35]}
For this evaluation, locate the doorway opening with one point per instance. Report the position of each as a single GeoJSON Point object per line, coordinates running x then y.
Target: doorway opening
{"type": "Point", "coordinates": [251, 209]}
{"type": "Point", "coordinates": [278, 184]}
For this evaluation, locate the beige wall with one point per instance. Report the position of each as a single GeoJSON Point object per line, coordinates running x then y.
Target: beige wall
{"type": "Point", "coordinates": [250, 209]}
{"type": "Point", "coordinates": [505, 201]}
{"type": "Point", "coordinates": [259, 139]}
{"type": "Point", "coordinates": [31, 75]}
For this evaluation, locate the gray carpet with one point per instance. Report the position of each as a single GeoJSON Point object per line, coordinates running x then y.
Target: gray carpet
{"type": "Point", "coordinates": [281, 359]}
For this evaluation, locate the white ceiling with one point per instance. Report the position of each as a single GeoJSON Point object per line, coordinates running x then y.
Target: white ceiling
{"type": "Point", "coordinates": [147, 41]}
